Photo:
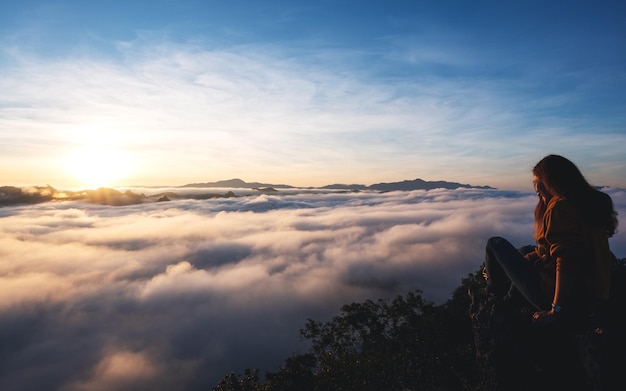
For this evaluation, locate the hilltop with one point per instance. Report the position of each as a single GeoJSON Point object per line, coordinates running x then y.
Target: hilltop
{"type": "Point", "coordinates": [406, 185]}
{"type": "Point", "coordinates": [237, 184]}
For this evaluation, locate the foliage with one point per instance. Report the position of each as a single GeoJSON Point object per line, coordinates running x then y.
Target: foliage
{"type": "Point", "coordinates": [406, 343]}
{"type": "Point", "coordinates": [234, 382]}
{"type": "Point", "coordinates": [402, 344]}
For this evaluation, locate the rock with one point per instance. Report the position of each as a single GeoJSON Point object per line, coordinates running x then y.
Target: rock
{"type": "Point", "coordinates": [512, 354]}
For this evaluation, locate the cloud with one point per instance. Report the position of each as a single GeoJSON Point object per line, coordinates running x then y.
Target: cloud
{"type": "Point", "coordinates": [118, 370]}
{"type": "Point", "coordinates": [175, 295]}
{"type": "Point", "coordinates": [251, 108]}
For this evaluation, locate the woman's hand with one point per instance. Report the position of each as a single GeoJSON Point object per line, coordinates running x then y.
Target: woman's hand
{"type": "Point", "coordinates": [545, 318]}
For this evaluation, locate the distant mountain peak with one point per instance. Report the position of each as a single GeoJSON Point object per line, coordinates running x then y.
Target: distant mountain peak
{"type": "Point", "coordinates": [237, 184]}
{"type": "Point", "coordinates": [420, 184]}
{"type": "Point", "coordinates": [406, 185]}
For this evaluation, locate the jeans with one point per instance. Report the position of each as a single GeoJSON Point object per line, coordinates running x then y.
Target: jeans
{"type": "Point", "coordinates": [509, 272]}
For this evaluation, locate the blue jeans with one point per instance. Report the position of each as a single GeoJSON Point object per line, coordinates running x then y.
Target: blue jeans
{"type": "Point", "coordinates": [509, 271]}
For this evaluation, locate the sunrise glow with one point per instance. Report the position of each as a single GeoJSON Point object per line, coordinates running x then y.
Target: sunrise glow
{"type": "Point", "coordinates": [98, 167]}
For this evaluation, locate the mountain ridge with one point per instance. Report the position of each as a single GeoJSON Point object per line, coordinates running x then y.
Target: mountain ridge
{"type": "Point", "coordinates": [10, 195]}
{"type": "Point", "coordinates": [235, 183]}
{"type": "Point", "coordinates": [406, 185]}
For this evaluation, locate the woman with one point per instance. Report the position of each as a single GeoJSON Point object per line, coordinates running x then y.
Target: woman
{"type": "Point", "coordinates": [569, 271]}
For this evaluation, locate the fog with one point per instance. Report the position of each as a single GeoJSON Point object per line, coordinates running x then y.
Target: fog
{"type": "Point", "coordinates": [174, 295]}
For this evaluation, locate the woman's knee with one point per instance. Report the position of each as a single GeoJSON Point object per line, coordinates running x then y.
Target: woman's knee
{"type": "Point", "coordinates": [494, 241]}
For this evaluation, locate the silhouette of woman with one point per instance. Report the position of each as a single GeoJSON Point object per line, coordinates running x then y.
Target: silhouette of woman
{"type": "Point", "coordinates": [568, 272]}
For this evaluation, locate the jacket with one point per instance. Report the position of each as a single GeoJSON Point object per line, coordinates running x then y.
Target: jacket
{"type": "Point", "coordinates": [569, 245]}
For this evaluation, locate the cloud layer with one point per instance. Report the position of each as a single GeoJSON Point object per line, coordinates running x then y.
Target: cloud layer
{"type": "Point", "coordinates": [167, 296]}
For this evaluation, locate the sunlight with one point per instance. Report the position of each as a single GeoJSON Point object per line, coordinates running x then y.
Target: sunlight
{"type": "Point", "coordinates": [98, 167]}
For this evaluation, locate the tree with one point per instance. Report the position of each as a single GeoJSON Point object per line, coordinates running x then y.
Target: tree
{"type": "Point", "coordinates": [406, 343]}
{"type": "Point", "coordinates": [234, 382]}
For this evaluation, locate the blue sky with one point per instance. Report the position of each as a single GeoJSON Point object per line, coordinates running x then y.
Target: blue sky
{"type": "Point", "coordinates": [309, 93]}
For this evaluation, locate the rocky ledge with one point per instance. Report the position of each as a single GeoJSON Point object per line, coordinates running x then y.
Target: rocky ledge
{"type": "Point", "coordinates": [514, 354]}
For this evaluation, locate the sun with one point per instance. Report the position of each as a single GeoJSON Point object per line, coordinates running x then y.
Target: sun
{"type": "Point", "coordinates": [98, 167]}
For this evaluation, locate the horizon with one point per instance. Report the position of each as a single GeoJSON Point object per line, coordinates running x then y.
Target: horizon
{"type": "Point", "coordinates": [155, 92]}
{"type": "Point", "coordinates": [247, 182]}
{"type": "Point", "coordinates": [355, 183]}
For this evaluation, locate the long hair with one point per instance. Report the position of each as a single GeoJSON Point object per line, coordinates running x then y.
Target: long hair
{"type": "Point", "coordinates": [561, 177]}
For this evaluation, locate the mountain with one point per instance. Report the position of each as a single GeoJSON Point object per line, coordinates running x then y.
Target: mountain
{"type": "Point", "coordinates": [237, 184]}
{"type": "Point", "coordinates": [419, 184]}
{"type": "Point", "coordinates": [407, 185]}
{"type": "Point", "coordinates": [10, 195]}
{"type": "Point", "coordinates": [340, 186]}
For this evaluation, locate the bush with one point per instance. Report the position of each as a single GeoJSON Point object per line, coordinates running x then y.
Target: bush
{"type": "Point", "coordinates": [405, 343]}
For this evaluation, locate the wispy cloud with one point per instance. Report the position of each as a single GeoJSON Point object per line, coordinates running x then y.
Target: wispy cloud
{"type": "Point", "coordinates": [188, 112]}
{"type": "Point", "coordinates": [175, 295]}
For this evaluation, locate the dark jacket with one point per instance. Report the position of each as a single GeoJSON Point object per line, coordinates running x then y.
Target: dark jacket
{"type": "Point", "coordinates": [570, 246]}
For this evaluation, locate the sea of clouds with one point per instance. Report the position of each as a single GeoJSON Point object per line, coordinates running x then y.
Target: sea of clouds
{"type": "Point", "coordinates": [174, 295]}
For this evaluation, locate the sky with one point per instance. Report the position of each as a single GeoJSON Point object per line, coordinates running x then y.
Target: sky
{"type": "Point", "coordinates": [126, 93]}
{"type": "Point", "coordinates": [175, 295]}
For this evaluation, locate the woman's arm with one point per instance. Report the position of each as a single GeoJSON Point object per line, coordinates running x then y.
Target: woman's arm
{"type": "Point", "coordinates": [563, 289]}
{"type": "Point", "coordinates": [564, 232]}
{"type": "Point", "coordinates": [565, 235]}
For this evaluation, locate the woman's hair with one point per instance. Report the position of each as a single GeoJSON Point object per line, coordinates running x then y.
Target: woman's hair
{"type": "Point", "coordinates": [561, 177]}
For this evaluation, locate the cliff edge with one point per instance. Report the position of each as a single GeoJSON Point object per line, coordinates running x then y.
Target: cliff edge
{"type": "Point", "coordinates": [514, 354]}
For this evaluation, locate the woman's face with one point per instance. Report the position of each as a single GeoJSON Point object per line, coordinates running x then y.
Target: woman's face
{"type": "Point", "coordinates": [541, 189]}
